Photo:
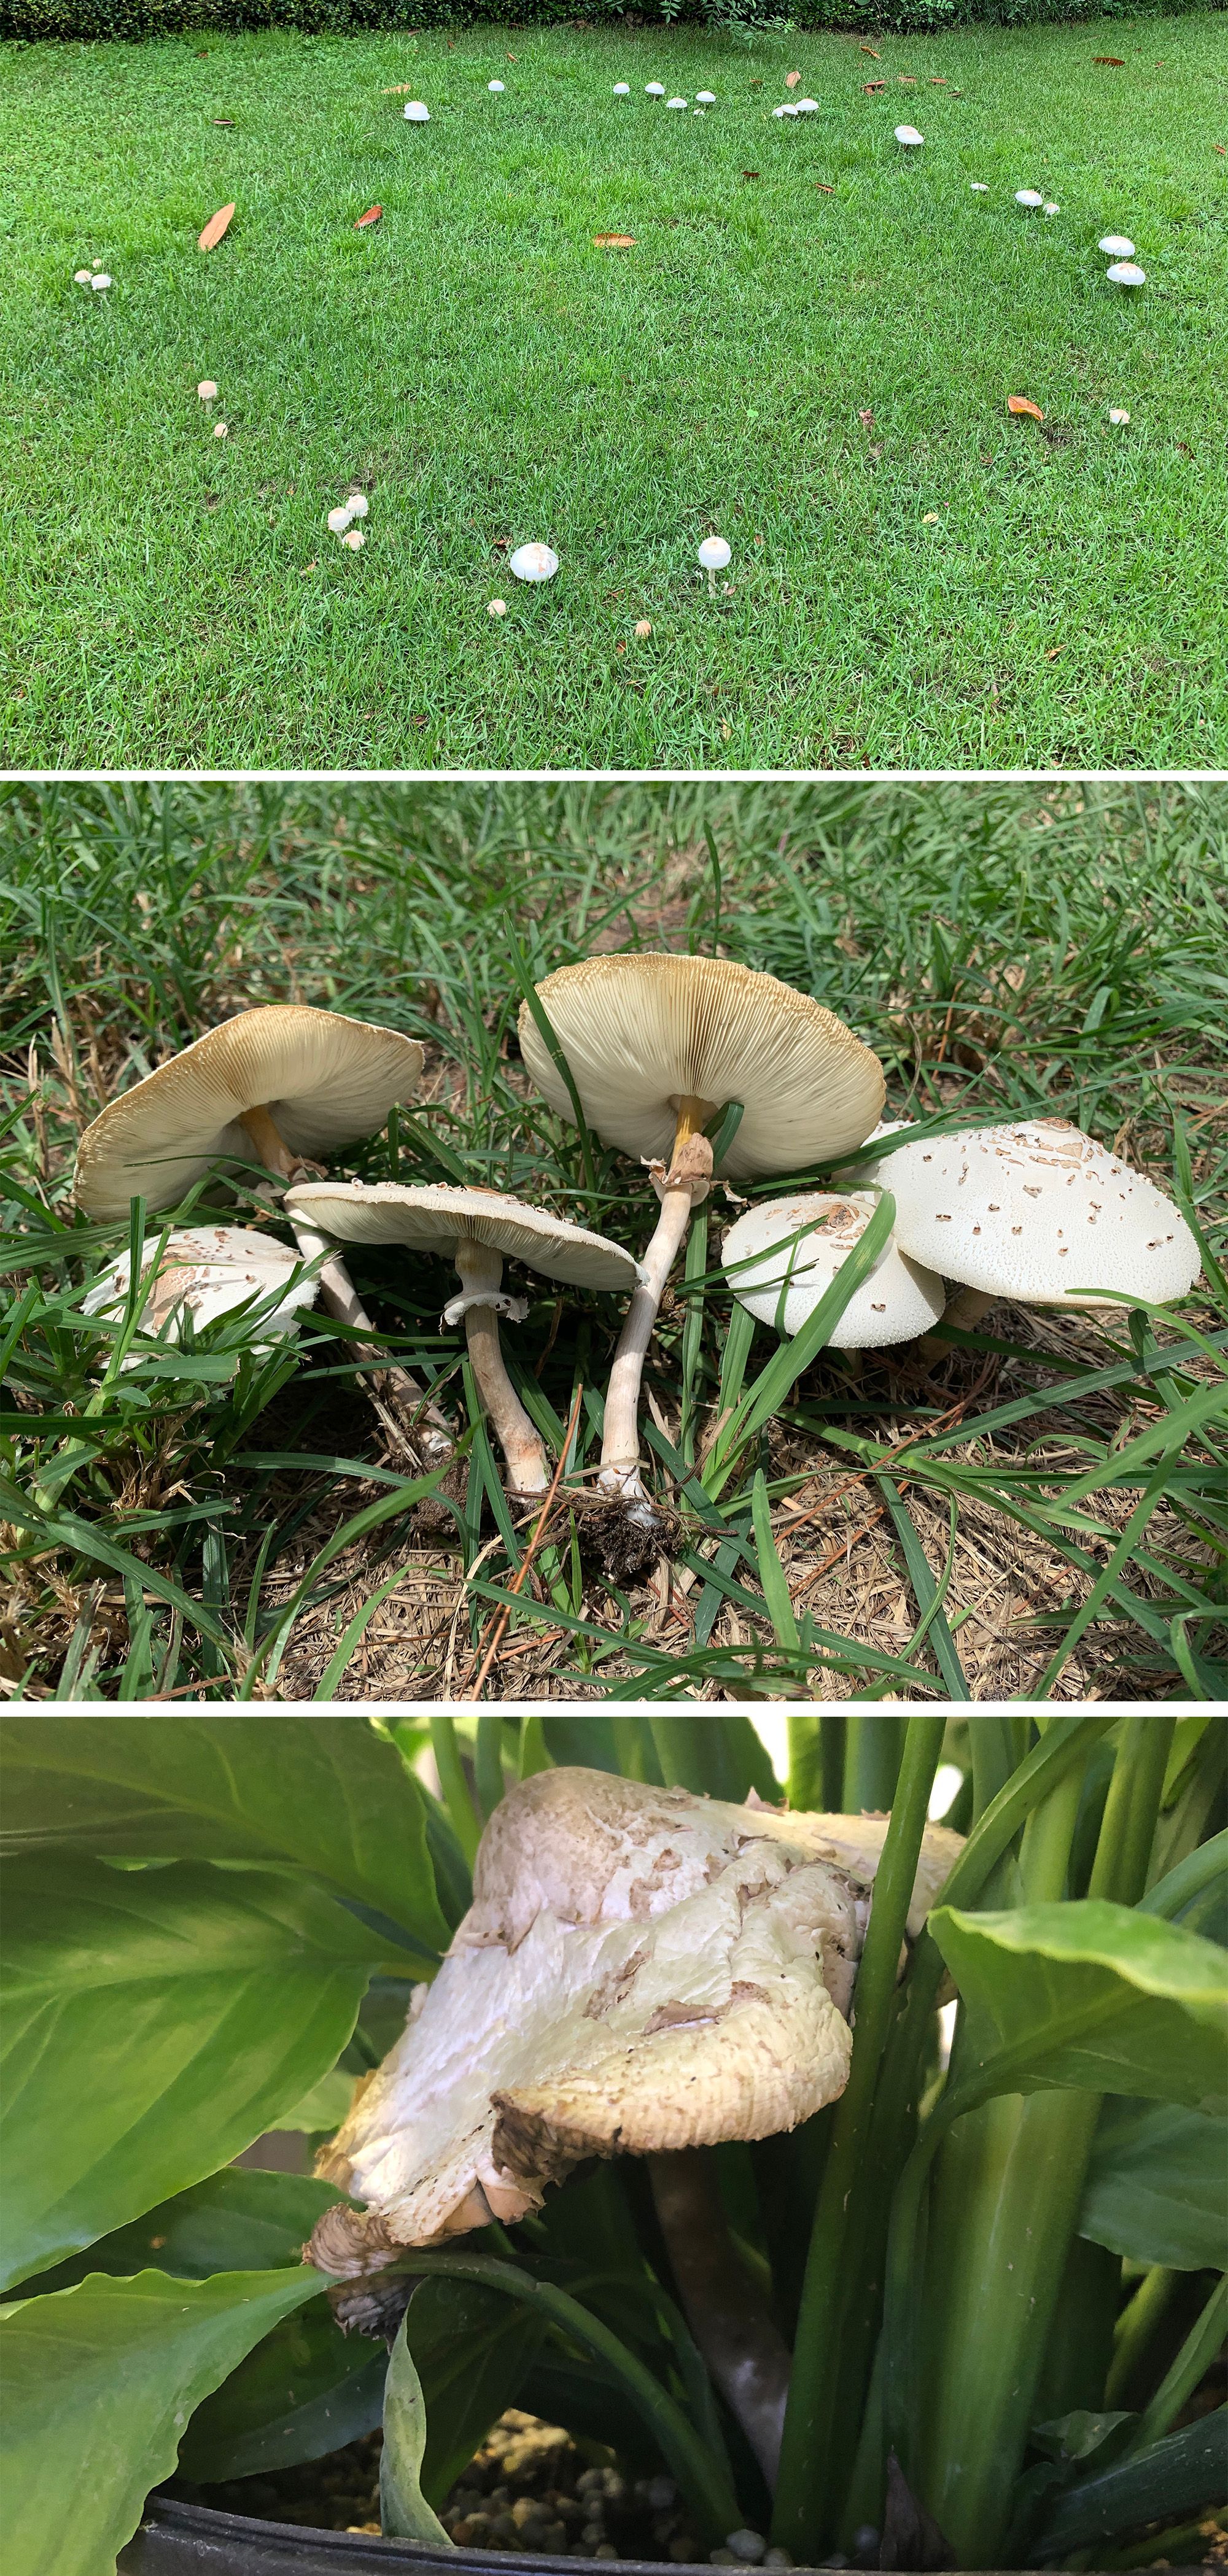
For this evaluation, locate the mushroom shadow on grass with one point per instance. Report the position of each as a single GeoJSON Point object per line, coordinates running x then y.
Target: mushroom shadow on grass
{"type": "Point", "coordinates": [642, 1972]}
{"type": "Point", "coordinates": [476, 1229]}
{"type": "Point", "coordinates": [281, 1084]}
{"type": "Point", "coordinates": [658, 1046]}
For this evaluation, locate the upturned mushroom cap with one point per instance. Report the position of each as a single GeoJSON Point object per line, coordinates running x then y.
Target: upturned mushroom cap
{"type": "Point", "coordinates": [1038, 1212]}
{"type": "Point", "coordinates": [645, 1031]}
{"type": "Point", "coordinates": [211, 1270]}
{"type": "Point", "coordinates": [437, 1219]}
{"type": "Point", "coordinates": [640, 1970]}
{"type": "Point", "coordinates": [324, 1079]}
{"type": "Point", "coordinates": [781, 1279]}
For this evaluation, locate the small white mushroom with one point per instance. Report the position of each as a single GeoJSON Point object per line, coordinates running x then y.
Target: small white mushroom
{"type": "Point", "coordinates": [782, 1256]}
{"type": "Point", "coordinates": [807, 107]}
{"type": "Point", "coordinates": [358, 505]}
{"type": "Point", "coordinates": [1119, 418]}
{"type": "Point", "coordinates": [1123, 273]}
{"type": "Point", "coordinates": [339, 520]}
{"type": "Point", "coordinates": [1029, 199]}
{"type": "Point", "coordinates": [1050, 208]}
{"type": "Point", "coordinates": [416, 112]}
{"type": "Point", "coordinates": [979, 187]}
{"type": "Point", "coordinates": [81, 277]}
{"type": "Point", "coordinates": [677, 102]}
{"type": "Point", "coordinates": [705, 98]}
{"type": "Point", "coordinates": [534, 563]}
{"type": "Point", "coordinates": [714, 554]}
{"type": "Point", "coordinates": [908, 137]}
{"type": "Point", "coordinates": [205, 1272]}
{"type": "Point", "coordinates": [101, 282]}
{"type": "Point", "coordinates": [496, 608]}
{"type": "Point", "coordinates": [354, 539]}
{"type": "Point", "coordinates": [495, 88]}
{"type": "Point", "coordinates": [207, 390]}
{"type": "Point", "coordinates": [1115, 246]}
{"type": "Point", "coordinates": [622, 89]}
{"type": "Point", "coordinates": [788, 109]}
{"type": "Point", "coordinates": [221, 429]}
{"type": "Point", "coordinates": [654, 89]}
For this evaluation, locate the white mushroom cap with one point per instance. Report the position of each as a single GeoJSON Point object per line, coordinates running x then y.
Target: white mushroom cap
{"type": "Point", "coordinates": [100, 282]}
{"type": "Point", "coordinates": [807, 107]}
{"type": "Point", "coordinates": [781, 1279]}
{"type": "Point", "coordinates": [533, 563]}
{"type": "Point", "coordinates": [1029, 198]}
{"type": "Point", "coordinates": [207, 390]}
{"type": "Point", "coordinates": [622, 89]}
{"type": "Point", "coordinates": [641, 1970]}
{"type": "Point", "coordinates": [908, 136]}
{"type": "Point", "coordinates": [325, 1080]}
{"type": "Point", "coordinates": [1118, 415]}
{"type": "Point", "coordinates": [417, 113]}
{"type": "Point", "coordinates": [654, 89]}
{"type": "Point", "coordinates": [1038, 1212]}
{"type": "Point", "coordinates": [437, 1219]}
{"type": "Point", "coordinates": [358, 505]}
{"type": "Point", "coordinates": [1123, 273]}
{"type": "Point", "coordinates": [677, 102]}
{"type": "Point", "coordinates": [210, 1270]}
{"type": "Point", "coordinates": [339, 520]}
{"type": "Point", "coordinates": [714, 554]}
{"type": "Point", "coordinates": [1115, 246]}
{"type": "Point", "coordinates": [788, 109]}
{"type": "Point", "coordinates": [979, 187]}
{"type": "Point", "coordinates": [82, 277]}
{"type": "Point", "coordinates": [642, 1032]}
{"type": "Point", "coordinates": [705, 98]}
{"type": "Point", "coordinates": [496, 87]}
{"type": "Point", "coordinates": [354, 539]}
{"type": "Point", "coordinates": [1051, 209]}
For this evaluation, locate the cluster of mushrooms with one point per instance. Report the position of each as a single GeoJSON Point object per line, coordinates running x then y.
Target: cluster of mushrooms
{"type": "Point", "coordinates": [698, 1068]}
{"type": "Point", "coordinates": [642, 1972]}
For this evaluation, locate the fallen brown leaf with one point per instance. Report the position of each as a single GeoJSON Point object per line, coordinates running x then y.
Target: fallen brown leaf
{"type": "Point", "coordinates": [906, 80]}
{"type": "Point", "coordinates": [870, 86]}
{"type": "Point", "coordinates": [1054, 650]}
{"type": "Point", "coordinates": [613, 241]}
{"type": "Point", "coordinates": [221, 120]}
{"type": "Point", "coordinates": [371, 216]}
{"type": "Point", "coordinates": [867, 420]}
{"type": "Point", "coordinates": [1114, 59]}
{"type": "Point", "coordinates": [936, 81]}
{"type": "Point", "coordinates": [1222, 148]}
{"type": "Point", "coordinates": [792, 79]}
{"type": "Point", "coordinates": [214, 229]}
{"type": "Point", "coordinates": [871, 49]}
{"type": "Point", "coordinates": [1018, 403]}
{"type": "Point", "coordinates": [311, 567]}
{"type": "Point", "coordinates": [399, 89]}
{"type": "Point", "coordinates": [750, 174]}
{"type": "Point", "coordinates": [825, 187]}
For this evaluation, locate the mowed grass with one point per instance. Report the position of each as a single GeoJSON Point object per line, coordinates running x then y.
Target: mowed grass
{"type": "Point", "coordinates": [938, 584]}
{"type": "Point", "coordinates": [1040, 1511]}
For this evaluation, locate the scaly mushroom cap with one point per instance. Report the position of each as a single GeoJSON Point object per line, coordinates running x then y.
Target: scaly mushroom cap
{"type": "Point", "coordinates": [780, 1278]}
{"type": "Point", "coordinates": [211, 1269]}
{"type": "Point", "coordinates": [643, 1032]}
{"type": "Point", "coordinates": [1019, 1211]}
{"type": "Point", "coordinates": [324, 1079]}
{"type": "Point", "coordinates": [437, 1219]}
{"type": "Point", "coordinates": [640, 1970]}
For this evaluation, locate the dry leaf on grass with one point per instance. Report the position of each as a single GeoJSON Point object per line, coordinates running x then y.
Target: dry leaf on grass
{"type": "Point", "coordinates": [1114, 60]}
{"type": "Point", "coordinates": [1019, 404]}
{"type": "Point", "coordinates": [870, 87]}
{"type": "Point", "coordinates": [371, 216]}
{"type": "Point", "coordinates": [792, 79]}
{"type": "Point", "coordinates": [613, 241]}
{"type": "Point", "coordinates": [399, 89]}
{"type": "Point", "coordinates": [825, 187]}
{"type": "Point", "coordinates": [867, 420]}
{"type": "Point", "coordinates": [871, 49]}
{"type": "Point", "coordinates": [750, 174]}
{"type": "Point", "coordinates": [214, 229]}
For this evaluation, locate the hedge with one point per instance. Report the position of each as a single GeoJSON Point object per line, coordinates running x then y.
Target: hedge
{"type": "Point", "coordinates": [135, 20]}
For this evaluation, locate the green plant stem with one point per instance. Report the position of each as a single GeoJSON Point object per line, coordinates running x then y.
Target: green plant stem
{"type": "Point", "coordinates": [488, 1764]}
{"type": "Point", "coordinates": [805, 2501]}
{"type": "Point", "coordinates": [1171, 1894]}
{"type": "Point", "coordinates": [874, 1748]}
{"type": "Point", "coordinates": [1191, 2365]}
{"type": "Point", "coordinates": [1135, 2328]}
{"type": "Point", "coordinates": [1132, 1808]}
{"type": "Point", "coordinates": [454, 1785]}
{"type": "Point", "coordinates": [807, 1780]}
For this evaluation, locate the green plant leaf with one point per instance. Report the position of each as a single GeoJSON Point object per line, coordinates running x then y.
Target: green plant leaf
{"type": "Point", "coordinates": [1157, 2186]}
{"type": "Point", "coordinates": [156, 2021]}
{"type": "Point", "coordinates": [242, 2219]}
{"type": "Point", "coordinates": [326, 1792]}
{"type": "Point", "coordinates": [1093, 1995]}
{"type": "Point", "coordinates": [305, 2389]}
{"type": "Point", "coordinates": [98, 2384]}
{"type": "Point", "coordinates": [472, 2350]}
{"type": "Point", "coordinates": [324, 2107]}
{"type": "Point", "coordinates": [1176, 2476]}
{"type": "Point", "coordinates": [715, 1756]}
{"type": "Point", "coordinates": [404, 2511]}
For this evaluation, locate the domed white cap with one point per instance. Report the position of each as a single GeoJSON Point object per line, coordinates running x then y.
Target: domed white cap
{"type": "Point", "coordinates": [1038, 1212]}
{"type": "Point", "coordinates": [807, 107]}
{"type": "Point", "coordinates": [908, 135]}
{"type": "Point", "coordinates": [209, 1270]}
{"type": "Point", "coordinates": [417, 113]}
{"type": "Point", "coordinates": [496, 87]}
{"type": "Point", "coordinates": [787, 109]}
{"type": "Point", "coordinates": [780, 1278]}
{"type": "Point", "coordinates": [705, 98]}
{"type": "Point", "coordinates": [622, 89]}
{"type": "Point", "coordinates": [714, 554]}
{"type": "Point", "coordinates": [436, 1220]}
{"type": "Point", "coordinates": [654, 89]}
{"type": "Point", "coordinates": [677, 102]}
{"type": "Point", "coordinates": [325, 1080]}
{"type": "Point", "coordinates": [643, 1031]}
{"type": "Point", "coordinates": [533, 563]}
{"type": "Point", "coordinates": [1029, 197]}
{"type": "Point", "coordinates": [1115, 246]}
{"type": "Point", "coordinates": [1123, 273]}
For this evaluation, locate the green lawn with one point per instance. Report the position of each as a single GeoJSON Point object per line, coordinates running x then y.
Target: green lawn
{"type": "Point", "coordinates": [239, 1526]}
{"type": "Point", "coordinates": [946, 585]}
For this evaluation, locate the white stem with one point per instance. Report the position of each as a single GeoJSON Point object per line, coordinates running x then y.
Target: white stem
{"type": "Point", "coordinates": [620, 1445]}
{"type": "Point", "coordinates": [429, 1426]}
{"type": "Point", "coordinates": [964, 1310]}
{"type": "Point", "coordinates": [480, 1270]}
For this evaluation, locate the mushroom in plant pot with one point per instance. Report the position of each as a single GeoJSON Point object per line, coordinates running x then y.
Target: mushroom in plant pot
{"type": "Point", "coordinates": [782, 1256]}
{"type": "Point", "coordinates": [1037, 1212]}
{"type": "Point", "coordinates": [476, 1229]}
{"type": "Point", "coordinates": [276, 1085]}
{"type": "Point", "coordinates": [208, 1271]}
{"type": "Point", "coordinates": [642, 1972]}
{"type": "Point", "coordinates": [658, 1047]}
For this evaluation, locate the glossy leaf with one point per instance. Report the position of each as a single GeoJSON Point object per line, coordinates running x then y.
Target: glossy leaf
{"type": "Point", "coordinates": [1093, 1995]}
{"type": "Point", "coordinates": [1157, 2187]}
{"type": "Point", "coordinates": [98, 2383]}
{"type": "Point", "coordinates": [1175, 2477]}
{"type": "Point", "coordinates": [472, 2350]}
{"type": "Point", "coordinates": [305, 2389]}
{"type": "Point", "coordinates": [239, 2220]}
{"type": "Point", "coordinates": [156, 2022]}
{"type": "Point", "coordinates": [326, 1792]}
{"type": "Point", "coordinates": [404, 2511]}
{"type": "Point", "coordinates": [324, 2108]}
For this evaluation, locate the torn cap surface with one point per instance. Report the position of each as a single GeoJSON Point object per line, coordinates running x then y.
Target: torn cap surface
{"type": "Point", "coordinates": [640, 1970]}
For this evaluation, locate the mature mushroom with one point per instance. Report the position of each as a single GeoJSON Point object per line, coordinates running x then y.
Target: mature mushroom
{"type": "Point", "coordinates": [658, 1046]}
{"type": "Point", "coordinates": [476, 1229]}
{"type": "Point", "coordinates": [207, 1271]}
{"type": "Point", "coordinates": [417, 112]}
{"type": "Point", "coordinates": [782, 1256]}
{"type": "Point", "coordinates": [807, 107]}
{"type": "Point", "coordinates": [622, 89]}
{"type": "Point", "coordinates": [714, 554]}
{"type": "Point", "coordinates": [495, 88]}
{"type": "Point", "coordinates": [705, 98]}
{"type": "Point", "coordinates": [642, 1972]}
{"type": "Point", "coordinates": [278, 1083]}
{"type": "Point", "coordinates": [654, 89]}
{"type": "Point", "coordinates": [677, 102]}
{"type": "Point", "coordinates": [1029, 199]}
{"type": "Point", "coordinates": [1124, 272]}
{"type": "Point", "coordinates": [1037, 1212]}
{"type": "Point", "coordinates": [908, 138]}
{"type": "Point", "coordinates": [533, 563]}
{"type": "Point", "coordinates": [1116, 246]}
